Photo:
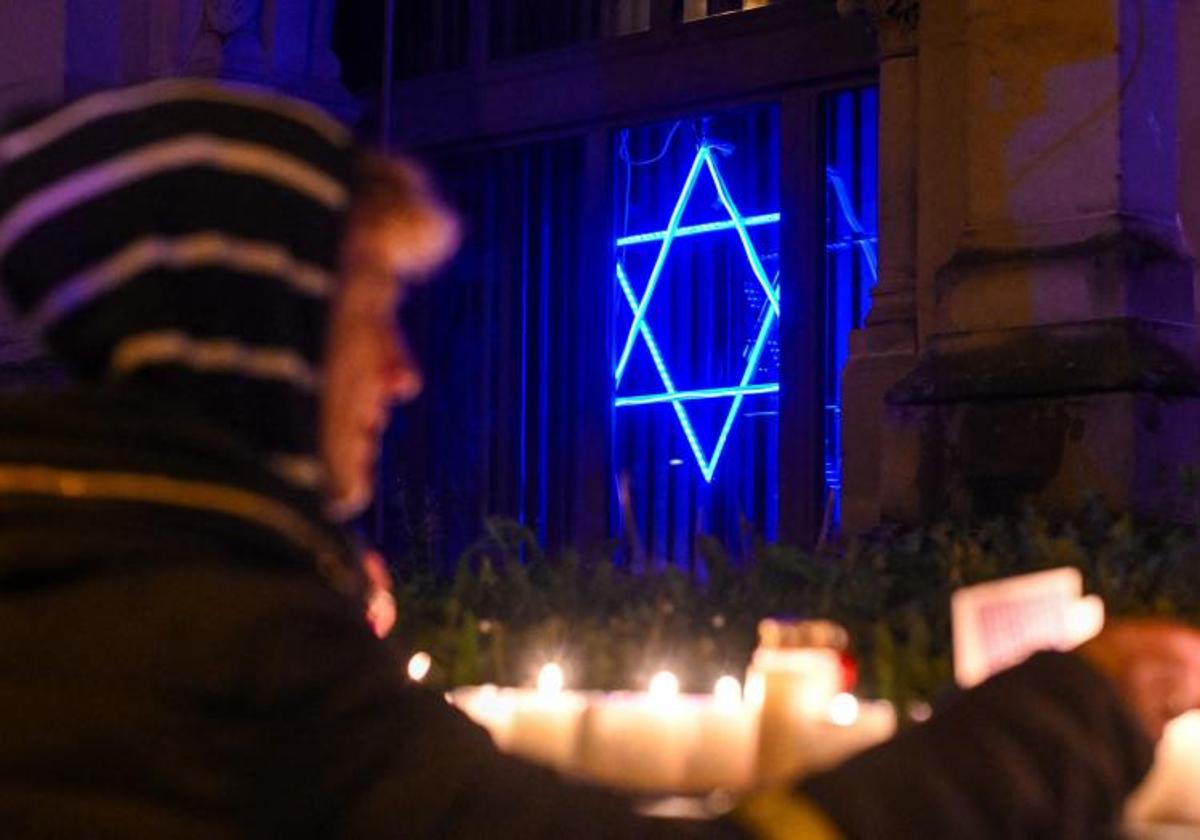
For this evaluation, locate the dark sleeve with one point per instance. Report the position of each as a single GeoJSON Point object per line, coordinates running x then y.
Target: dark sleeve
{"type": "Point", "coordinates": [357, 751]}
{"type": "Point", "coordinates": [1045, 750]}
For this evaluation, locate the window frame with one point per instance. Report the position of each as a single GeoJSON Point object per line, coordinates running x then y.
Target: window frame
{"type": "Point", "coordinates": [791, 55]}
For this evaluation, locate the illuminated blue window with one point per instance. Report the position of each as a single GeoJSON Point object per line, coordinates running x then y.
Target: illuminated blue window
{"type": "Point", "coordinates": [704, 165]}
{"type": "Point", "coordinates": [695, 338]}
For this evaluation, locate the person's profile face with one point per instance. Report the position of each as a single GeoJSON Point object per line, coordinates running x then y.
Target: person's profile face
{"type": "Point", "coordinates": [397, 231]}
{"type": "Point", "coordinates": [367, 369]}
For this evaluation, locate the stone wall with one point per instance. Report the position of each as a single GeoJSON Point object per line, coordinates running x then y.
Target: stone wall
{"type": "Point", "coordinates": [1054, 304]}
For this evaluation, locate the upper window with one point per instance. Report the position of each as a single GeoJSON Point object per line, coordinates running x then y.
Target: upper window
{"type": "Point", "coordinates": [439, 36]}
{"type": "Point", "coordinates": [698, 9]}
{"type": "Point", "coordinates": [521, 27]}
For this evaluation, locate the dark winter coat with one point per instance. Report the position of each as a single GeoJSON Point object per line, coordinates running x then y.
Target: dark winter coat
{"type": "Point", "coordinates": [182, 655]}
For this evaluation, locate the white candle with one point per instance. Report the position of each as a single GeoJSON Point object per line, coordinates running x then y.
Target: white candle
{"type": "Point", "coordinates": [490, 707]}
{"type": "Point", "coordinates": [723, 751]}
{"type": "Point", "coordinates": [849, 727]}
{"type": "Point", "coordinates": [545, 723]}
{"type": "Point", "coordinates": [639, 741]}
{"type": "Point", "coordinates": [790, 687]}
{"type": "Point", "coordinates": [1171, 793]}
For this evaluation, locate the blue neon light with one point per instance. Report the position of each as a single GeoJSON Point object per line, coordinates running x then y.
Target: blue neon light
{"type": "Point", "coordinates": [672, 229]}
{"type": "Point", "coordinates": [751, 253]}
{"type": "Point", "coordinates": [860, 238]}
{"type": "Point", "coordinates": [707, 463]}
{"type": "Point", "coordinates": [701, 394]}
{"type": "Point", "coordinates": [695, 230]}
{"type": "Point", "coordinates": [664, 375]}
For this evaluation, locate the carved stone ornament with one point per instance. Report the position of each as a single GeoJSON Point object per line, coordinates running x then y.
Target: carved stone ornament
{"type": "Point", "coordinates": [226, 18]}
{"type": "Point", "coordinates": [895, 21]}
{"type": "Point", "coordinates": [881, 12]}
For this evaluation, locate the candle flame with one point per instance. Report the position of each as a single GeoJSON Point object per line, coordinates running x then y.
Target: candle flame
{"type": "Point", "coordinates": [843, 709]}
{"type": "Point", "coordinates": [727, 691]}
{"type": "Point", "coordinates": [551, 680]}
{"type": "Point", "coordinates": [663, 686]}
{"type": "Point", "coordinates": [419, 665]}
{"type": "Point", "coordinates": [488, 697]}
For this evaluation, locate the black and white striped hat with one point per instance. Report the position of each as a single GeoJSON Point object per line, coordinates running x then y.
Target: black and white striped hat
{"type": "Point", "coordinates": [184, 235]}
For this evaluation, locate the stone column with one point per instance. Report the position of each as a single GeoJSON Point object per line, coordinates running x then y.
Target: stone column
{"type": "Point", "coordinates": [1060, 354]}
{"type": "Point", "coordinates": [884, 350]}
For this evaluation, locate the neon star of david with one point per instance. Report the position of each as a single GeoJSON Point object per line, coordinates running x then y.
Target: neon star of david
{"type": "Point", "coordinates": [704, 161]}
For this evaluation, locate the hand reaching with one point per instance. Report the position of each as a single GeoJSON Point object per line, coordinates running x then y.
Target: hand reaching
{"type": "Point", "coordinates": [1155, 666]}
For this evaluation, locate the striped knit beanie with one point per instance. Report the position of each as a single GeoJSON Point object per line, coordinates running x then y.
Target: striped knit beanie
{"type": "Point", "coordinates": [184, 235]}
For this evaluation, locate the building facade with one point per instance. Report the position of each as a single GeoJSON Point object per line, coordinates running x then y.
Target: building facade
{"type": "Point", "coordinates": [983, 288]}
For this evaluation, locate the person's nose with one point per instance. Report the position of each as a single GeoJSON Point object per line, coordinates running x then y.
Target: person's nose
{"type": "Point", "coordinates": [402, 373]}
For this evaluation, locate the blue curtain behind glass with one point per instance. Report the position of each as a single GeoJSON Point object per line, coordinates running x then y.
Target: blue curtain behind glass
{"type": "Point", "coordinates": [512, 421]}
{"type": "Point", "coordinates": [520, 339]}
{"type": "Point", "coordinates": [704, 315]}
{"type": "Point", "coordinates": [851, 247]}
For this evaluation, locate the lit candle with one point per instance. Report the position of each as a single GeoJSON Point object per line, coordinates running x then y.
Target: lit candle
{"type": "Point", "coordinates": [843, 710]}
{"type": "Point", "coordinates": [545, 722]}
{"type": "Point", "coordinates": [664, 687]}
{"type": "Point", "coordinates": [419, 665]}
{"type": "Point", "coordinates": [490, 707]}
{"type": "Point", "coordinates": [724, 748]}
{"type": "Point", "coordinates": [1171, 793]}
{"type": "Point", "coordinates": [640, 741]}
{"type": "Point", "coordinates": [849, 726]}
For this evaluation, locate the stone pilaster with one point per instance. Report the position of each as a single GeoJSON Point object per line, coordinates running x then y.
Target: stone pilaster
{"type": "Point", "coordinates": [884, 350]}
{"type": "Point", "coordinates": [1060, 354]}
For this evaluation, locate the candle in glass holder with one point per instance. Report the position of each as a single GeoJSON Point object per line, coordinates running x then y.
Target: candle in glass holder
{"type": "Point", "coordinates": [639, 741]}
{"type": "Point", "coordinates": [545, 722]}
{"type": "Point", "coordinates": [795, 673]}
{"type": "Point", "coordinates": [723, 751]}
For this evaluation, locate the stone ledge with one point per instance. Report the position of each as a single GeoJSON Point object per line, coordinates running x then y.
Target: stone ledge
{"type": "Point", "coordinates": [989, 457]}
{"type": "Point", "coordinates": [1129, 268]}
{"type": "Point", "coordinates": [1091, 357]}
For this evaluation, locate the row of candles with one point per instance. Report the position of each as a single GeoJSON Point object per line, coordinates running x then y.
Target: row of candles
{"type": "Point", "coordinates": [662, 740]}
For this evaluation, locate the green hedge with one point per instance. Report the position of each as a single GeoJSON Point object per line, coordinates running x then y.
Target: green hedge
{"type": "Point", "coordinates": [510, 607]}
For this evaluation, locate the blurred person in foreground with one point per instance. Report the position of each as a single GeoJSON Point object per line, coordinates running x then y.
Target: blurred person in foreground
{"type": "Point", "coordinates": [183, 651]}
